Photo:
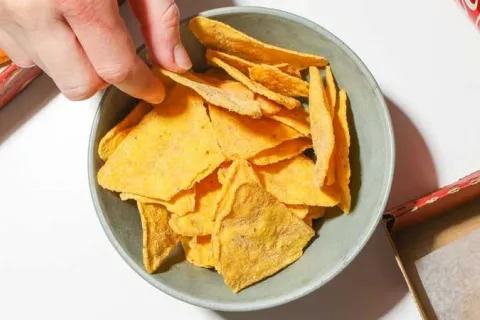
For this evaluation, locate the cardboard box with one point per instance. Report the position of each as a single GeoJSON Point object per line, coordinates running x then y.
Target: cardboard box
{"type": "Point", "coordinates": [435, 239]}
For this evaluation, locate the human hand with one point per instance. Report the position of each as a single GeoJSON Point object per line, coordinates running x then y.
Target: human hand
{"type": "Point", "coordinates": [83, 45]}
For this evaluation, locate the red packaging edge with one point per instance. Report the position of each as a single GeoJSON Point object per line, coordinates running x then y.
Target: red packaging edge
{"type": "Point", "coordinates": [472, 9]}
{"type": "Point", "coordinates": [13, 80]}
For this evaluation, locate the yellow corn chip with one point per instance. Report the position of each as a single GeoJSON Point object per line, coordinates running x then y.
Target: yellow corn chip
{"type": "Point", "coordinates": [313, 214]}
{"type": "Point", "coordinates": [217, 96]}
{"type": "Point", "coordinates": [300, 211]}
{"type": "Point", "coordinates": [219, 36]}
{"type": "Point", "coordinates": [298, 119]}
{"type": "Point", "coordinates": [321, 127]}
{"type": "Point", "coordinates": [342, 140]}
{"type": "Point", "coordinates": [257, 238]}
{"type": "Point", "coordinates": [288, 69]}
{"type": "Point", "coordinates": [199, 251]}
{"type": "Point", "coordinates": [278, 81]}
{"type": "Point", "coordinates": [331, 88]}
{"type": "Point", "coordinates": [181, 204]}
{"type": "Point", "coordinates": [268, 107]}
{"type": "Point", "coordinates": [290, 181]}
{"type": "Point", "coordinates": [172, 148]}
{"type": "Point", "coordinates": [117, 134]}
{"type": "Point", "coordinates": [158, 239]}
{"type": "Point", "coordinates": [242, 137]}
{"type": "Point", "coordinates": [287, 102]}
{"type": "Point", "coordinates": [283, 151]}
{"type": "Point", "coordinates": [200, 221]}
{"type": "Point", "coordinates": [236, 62]}
{"type": "Point", "coordinates": [331, 91]}
{"type": "Point", "coordinates": [239, 172]}
{"type": "Point", "coordinates": [216, 73]}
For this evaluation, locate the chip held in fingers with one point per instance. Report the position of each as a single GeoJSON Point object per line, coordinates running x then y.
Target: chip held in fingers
{"type": "Point", "coordinates": [220, 167]}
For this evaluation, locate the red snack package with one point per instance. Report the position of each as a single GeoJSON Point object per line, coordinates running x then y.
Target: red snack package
{"type": "Point", "coordinates": [472, 8]}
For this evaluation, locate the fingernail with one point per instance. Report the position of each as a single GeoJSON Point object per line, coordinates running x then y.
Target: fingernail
{"type": "Point", "coordinates": [181, 57]}
{"type": "Point", "coordinates": [158, 94]}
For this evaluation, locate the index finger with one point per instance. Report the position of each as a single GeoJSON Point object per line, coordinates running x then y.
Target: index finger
{"type": "Point", "coordinates": [108, 45]}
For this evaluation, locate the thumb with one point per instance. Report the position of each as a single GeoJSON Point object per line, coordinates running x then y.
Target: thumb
{"type": "Point", "coordinates": [160, 26]}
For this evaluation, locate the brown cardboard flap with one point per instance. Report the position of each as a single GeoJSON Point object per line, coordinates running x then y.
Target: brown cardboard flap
{"type": "Point", "coordinates": [421, 239]}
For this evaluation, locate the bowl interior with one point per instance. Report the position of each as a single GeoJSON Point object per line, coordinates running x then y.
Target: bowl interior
{"type": "Point", "coordinates": [338, 240]}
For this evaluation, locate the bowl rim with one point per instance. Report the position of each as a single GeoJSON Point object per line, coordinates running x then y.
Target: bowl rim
{"type": "Point", "coordinates": [307, 288]}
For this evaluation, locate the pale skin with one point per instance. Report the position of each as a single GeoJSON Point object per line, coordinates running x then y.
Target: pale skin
{"type": "Point", "coordinates": [83, 45]}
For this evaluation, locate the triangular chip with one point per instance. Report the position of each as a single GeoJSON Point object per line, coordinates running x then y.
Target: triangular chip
{"type": "Point", "coordinates": [158, 239]}
{"type": "Point", "coordinates": [299, 210]}
{"type": "Point", "coordinates": [278, 81]}
{"type": "Point", "coordinates": [287, 102]}
{"type": "Point", "coordinates": [321, 127]}
{"type": "Point", "coordinates": [268, 106]}
{"type": "Point", "coordinates": [288, 69]}
{"type": "Point", "coordinates": [238, 173]}
{"type": "Point", "coordinates": [283, 151]}
{"type": "Point", "coordinates": [342, 140]}
{"type": "Point", "coordinates": [257, 238]}
{"type": "Point", "coordinates": [156, 158]}
{"type": "Point", "coordinates": [199, 251]}
{"type": "Point", "coordinates": [219, 36]}
{"type": "Point", "coordinates": [200, 221]}
{"type": "Point", "coordinates": [117, 134]}
{"type": "Point", "coordinates": [298, 119]}
{"type": "Point", "coordinates": [242, 137]}
{"type": "Point", "coordinates": [313, 214]}
{"type": "Point", "coordinates": [216, 96]}
{"type": "Point", "coordinates": [331, 91]}
{"type": "Point", "coordinates": [291, 182]}
{"type": "Point", "coordinates": [236, 62]}
{"type": "Point", "coordinates": [181, 204]}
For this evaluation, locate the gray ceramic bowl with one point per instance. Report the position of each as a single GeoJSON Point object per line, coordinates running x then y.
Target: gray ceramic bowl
{"type": "Point", "coordinates": [339, 239]}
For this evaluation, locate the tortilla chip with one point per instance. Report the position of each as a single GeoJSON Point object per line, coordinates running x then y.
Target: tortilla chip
{"type": "Point", "coordinates": [158, 239]}
{"type": "Point", "coordinates": [236, 62]}
{"type": "Point", "coordinates": [117, 134]}
{"type": "Point", "coordinates": [331, 91]}
{"type": "Point", "coordinates": [181, 204]}
{"type": "Point", "coordinates": [298, 119]}
{"type": "Point", "coordinates": [199, 251]}
{"type": "Point", "coordinates": [313, 214]}
{"type": "Point", "coordinates": [199, 222]}
{"type": "Point", "coordinates": [242, 137]}
{"type": "Point", "coordinates": [217, 73]}
{"type": "Point", "coordinates": [172, 148]}
{"type": "Point", "coordinates": [217, 96]}
{"type": "Point", "coordinates": [342, 140]}
{"type": "Point", "coordinates": [257, 238]}
{"type": "Point", "coordinates": [299, 210]}
{"type": "Point", "coordinates": [288, 69]}
{"type": "Point", "coordinates": [3, 57]}
{"type": "Point", "coordinates": [290, 181]}
{"type": "Point", "coordinates": [239, 172]}
{"type": "Point", "coordinates": [285, 150]}
{"type": "Point", "coordinates": [268, 107]}
{"type": "Point", "coordinates": [287, 102]}
{"type": "Point", "coordinates": [219, 36]}
{"type": "Point", "coordinates": [278, 81]}
{"type": "Point", "coordinates": [321, 127]}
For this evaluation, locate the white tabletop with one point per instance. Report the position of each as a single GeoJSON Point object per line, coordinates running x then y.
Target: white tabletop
{"type": "Point", "coordinates": [56, 262]}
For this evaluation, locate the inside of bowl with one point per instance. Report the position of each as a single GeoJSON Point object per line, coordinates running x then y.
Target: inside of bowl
{"type": "Point", "coordinates": [338, 238]}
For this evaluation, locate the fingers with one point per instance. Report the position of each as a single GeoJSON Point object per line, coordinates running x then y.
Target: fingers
{"type": "Point", "coordinates": [110, 49]}
{"type": "Point", "coordinates": [66, 61]}
{"type": "Point", "coordinates": [160, 26]}
{"type": "Point", "coordinates": [15, 51]}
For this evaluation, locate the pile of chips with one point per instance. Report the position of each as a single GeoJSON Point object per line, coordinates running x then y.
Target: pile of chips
{"type": "Point", "coordinates": [219, 166]}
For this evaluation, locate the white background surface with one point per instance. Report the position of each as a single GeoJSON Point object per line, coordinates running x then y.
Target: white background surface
{"type": "Point", "coordinates": [56, 262]}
